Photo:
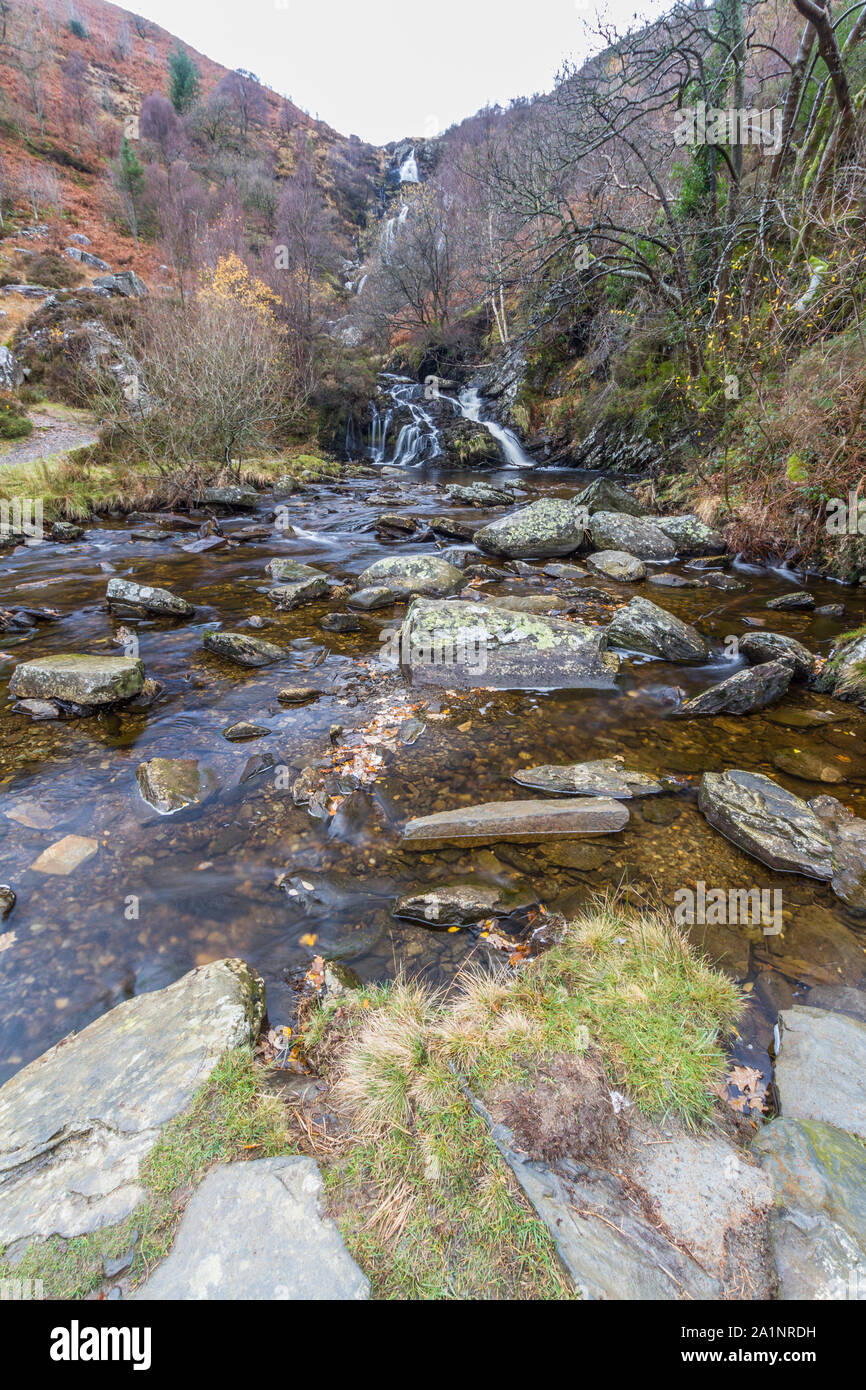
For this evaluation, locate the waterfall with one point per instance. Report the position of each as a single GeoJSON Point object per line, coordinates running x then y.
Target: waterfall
{"type": "Point", "coordinates": [409, 168]}
{"type": "Point", "coordinates": [470, 408]}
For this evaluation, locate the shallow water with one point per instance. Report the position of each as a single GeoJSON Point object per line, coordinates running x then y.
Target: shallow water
{"type": "Point", "coordinates": [167, 893]}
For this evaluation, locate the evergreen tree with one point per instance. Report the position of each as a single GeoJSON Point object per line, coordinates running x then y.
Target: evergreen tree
{"type": "Point", "coordinates": [183, 81]}
{"type": "Point", "coordinates": [128, 176]}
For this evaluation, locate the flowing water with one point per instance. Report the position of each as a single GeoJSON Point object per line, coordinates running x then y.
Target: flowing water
{"type": "Point", "coordinates": [164, 894]}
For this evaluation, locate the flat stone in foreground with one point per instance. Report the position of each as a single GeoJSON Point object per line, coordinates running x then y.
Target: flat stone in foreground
{"type": "Point", "coordinates": [820, 1065]}
{"type": "Point", "coordinates": [256, 1231]}
{"type": "Point", "coordinates": [524, 822]}
{"type": "Point", "coordinates": [80, 679]}
{"type": "Point", "coordinates": [76, 1123]}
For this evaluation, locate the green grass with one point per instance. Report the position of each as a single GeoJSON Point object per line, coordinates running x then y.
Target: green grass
{"type": "Point", "coordinates": [229, 1119]}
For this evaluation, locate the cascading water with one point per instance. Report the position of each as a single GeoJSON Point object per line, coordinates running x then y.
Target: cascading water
{"type": "Point", "coordinates": [418, 440]}
{"type": "Point", "coordinates": [469, 402]}
{"type": "Point", "coordinates": [409, 169]}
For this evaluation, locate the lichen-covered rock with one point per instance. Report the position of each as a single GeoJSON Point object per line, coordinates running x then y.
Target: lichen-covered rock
{"type": "Point", "coordinates": [172, 784]}
{"type": "Point", "coordinates": [758, 647]}
{"type": "Point", "coordinates": [635, 535]}
{"type": "Point", "coordinates": [479, 644]}
{"type": "Point", "coordinates": [123, 282]}
{"type": "Point", "coordinates": [605, 777]}
{"type": "Point", "coordinates": [617, 564]}
{"type": "Point", "coordinates": [844, 674]}
{"type": "Point", "coordinates": [79, 679]}
{"type": "Point", "coordinates": [768, 822]}
{"type": "Point", "coordinates": [792, 602]}
{"type": "Point", "coordinates": [691, 536]}
{"type": "Point", "coordinates": [297, 584]}
{"type": "Point", "coordinates": [460, 904]}
{"type": "Point", "coordinates": [604, 495]}
{"type": "Point", "coordinates": [410, 575]}
{"type": "Point", "coordinates": [644, 627]}
{"type": "Point", "coordinates": [235, 495]}
{"type": "Point", "coordinates": [76, 1124]}
{"type": "Point", "coordinates": [549, 526]}
{"type": "Point", "coordinates": [124, 593]}
{"type": "Point", "coordinates": [744, 692]}
{"type": "Point", "coordinates": [367, 600]}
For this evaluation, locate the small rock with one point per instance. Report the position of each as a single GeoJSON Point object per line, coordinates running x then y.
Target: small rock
{"type": "Point", "coordinates": [298, 694]}
{"type": "Point", "coordinates": [8, 899]}
{"type": "Point", "coordinates": [65, 855]}
{"type": "Point", "coordinates": [378, 596]}
{"type": "Point", "coordinates": [122, 593]}
{"type": "Point", "coordinates": [172, 784]}
{"type": "Point", "coordinates": [616, 564]}
{"type": "Point", "coordinates": [242, 732]}
{"type": "Point", "coordinates": [791, 602]}
{"type": "Point", "coordinates": [743, 693]}
{"type": "Point", "coordinates": [340, 622]}
{"type": "Point", "coordinates": [242, 648]}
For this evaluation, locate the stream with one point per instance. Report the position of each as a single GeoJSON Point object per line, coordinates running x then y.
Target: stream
{"type": "Point", "coordinates": [164, 894]}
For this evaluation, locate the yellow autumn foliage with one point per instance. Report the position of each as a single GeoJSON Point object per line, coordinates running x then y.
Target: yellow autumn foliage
{"type": "Point", "coordinates": [230, 279]}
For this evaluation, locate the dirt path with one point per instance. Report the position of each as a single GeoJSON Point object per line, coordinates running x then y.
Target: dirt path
{"type": "Point", "coordinates": [56, 429]}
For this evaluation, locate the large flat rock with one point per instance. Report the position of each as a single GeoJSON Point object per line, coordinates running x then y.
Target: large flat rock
{"type": "Point", "coordinates": [818, 1227]}
{"type": "Point", "coordinates": [256, 1231]}
{"type": "Point", "coordinates": [520, 821]}
{"type": "Point", "coordinates": [76, 1123]}
{"type": "Point", "coordinates": [481, 644]}
{"type": "Point", "coordinates": [80, 679]}
{"type": "Point", "coordinates": [820, 1066]}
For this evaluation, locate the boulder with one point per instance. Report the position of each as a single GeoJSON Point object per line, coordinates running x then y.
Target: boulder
{"type": "Point", "coordinates": [522, 822]}
{"type": "Point", "coordinates": [633, 534]}
{"type": "Point", "coordinates": [792, 602]}
{"type": "Point", "coordinates": [123, 282]}
{"type": "Point", "coordinates": [691, 536]}
{"type": "Point", "coordinates": [478, 644]}
{"type": "Point", "coordinates": [124, 593]}
{"type": "Point", "coordinates": [547, 527]}
{"type": "Point", "coordinates": [604, 495]}
{"type": "Point", "coordinates": [255, 1230]}
{"type": "Point", "coordinates": [11, 371]}
{"type": "Point", "coordinates": [75, 253]}
{"type": "Point", "coordinates": [460, 904]}
{"type": "Point", "coordinates": [818, 1228]}
{"type": "Point", "coordinates": [366, 600]}
{"type": "Point", "coordinates": [172, 784]}
{"type": "Point", "coordinates": [820, 1064]}
{"type": "Point", "coordinates": [409, 575]}
{"type": "Point", "coordinates": [771, 824]}
{"type": "Point", "coordinates": [479, 494]}
{"type": "Point", "coordinates": [235, 496]}
{"type": "Point", "coordinates": [844, 674]}
{"type": "Point", "coordinates": [66, 531]}
{"type": "Point", "coordinates": [76, 1123]}
{"type": "Point", "coordinates": [743, 693]}
{"type": "Point", "coordinates": [617, 564]}
{"type": "Point", "coordinates": [758, 647]}
{"type": "Point", "coordinates": [297, 584]}
{"type": "Point", "coordinates": [644, 627]}
{"type": "Point", "coordinates": [79, 679]}
{"type": "Point", "coordinates": [606, 777]}
{"type": "Point", "coordinates": [242, 648]}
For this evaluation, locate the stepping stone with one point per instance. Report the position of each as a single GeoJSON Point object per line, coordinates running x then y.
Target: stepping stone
{"type": "Point", "coordinates": [65, 856]}
{"type": "Point", "coordinates": [522, 822]}
{"type": "Point", "coordinates": [255, 1231]}
{"type": "Point", "coordinates": [79, 679]}
{"type": "Point", "coordinates": [123, 593]}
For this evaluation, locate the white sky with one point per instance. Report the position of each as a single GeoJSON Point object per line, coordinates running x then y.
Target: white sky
{"type": "Point", "coordinates": [383, 69]}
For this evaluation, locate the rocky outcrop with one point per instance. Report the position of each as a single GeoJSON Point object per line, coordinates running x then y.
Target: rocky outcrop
{"type": "Point", "coordinates": [545, 528]}
{"type": "Point", "coordinates": [11, 371]}
{"type": "Point", "coordinates": [123, 282]}
{"type": "Point", "coordinates": [478, 644]}
{"type": "Point", "coordinates": [744, 692]}
{"type": "Point", "coordinates": [524, 822]}
{"type": "Point", "coordinates": [644, 627]}
{"type": "Point", "coordinates": [76, 1123]}
{"type": "Point", "coordinates": [79, 679]}
{"type": "Point", "coordinates": [635, 535]}
{"type": "Point", "coordinates": [409, 575]}
{"type": "Point", "coordinates": [256, 1231]}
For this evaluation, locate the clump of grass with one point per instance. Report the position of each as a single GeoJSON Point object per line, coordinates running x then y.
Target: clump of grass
{"type": "Point", "coordinates": [229, 1119]}
{"type": "Point", "coordinates": [424, 1200]}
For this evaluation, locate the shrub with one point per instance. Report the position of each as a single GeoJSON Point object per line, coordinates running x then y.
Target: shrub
{"type": "Point", "coordinates": [77, 28]}
{"type": "Point", "coordinates": [14, 423]}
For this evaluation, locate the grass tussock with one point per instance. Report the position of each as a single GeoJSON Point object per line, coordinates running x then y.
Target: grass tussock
{"type": "Point", "coordinates": [229, 1119]}
{"type": "Point", "coordinates": [424, 1200]}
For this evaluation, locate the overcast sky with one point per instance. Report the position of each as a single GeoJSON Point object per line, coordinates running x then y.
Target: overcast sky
{"type": "Point", "coordinates": [383, 69]}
